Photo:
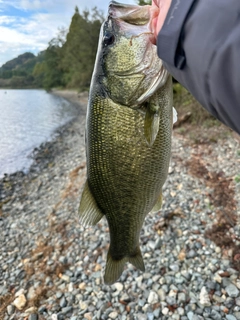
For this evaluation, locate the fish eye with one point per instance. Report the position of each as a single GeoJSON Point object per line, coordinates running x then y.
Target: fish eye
{"type": "Point", "coordinates": [108, 39]}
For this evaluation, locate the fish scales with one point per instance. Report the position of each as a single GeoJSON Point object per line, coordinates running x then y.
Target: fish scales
{"type": "Point", "coordinates": [117, 149]}
{"type": "Point", "coordinates": [125, 173]}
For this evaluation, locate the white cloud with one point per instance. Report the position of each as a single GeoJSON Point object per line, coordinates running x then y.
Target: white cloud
{"type": "Point", "coordinates": [38, 24]}
{"type": "Point", "coordinates": [7, 20]}
{"type": "Point", "coordinates": [28, 34]}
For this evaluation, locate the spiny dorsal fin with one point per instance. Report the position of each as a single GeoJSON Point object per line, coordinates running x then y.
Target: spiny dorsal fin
{"type": "Point", "coordinates": [89, 211]}
{"type": "Point", "coordinates": [158, 205]}
{"type": "Point", "coordinates": [151, 123]}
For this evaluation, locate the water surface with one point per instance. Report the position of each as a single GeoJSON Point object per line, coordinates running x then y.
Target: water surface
{"type": "Point", "coordinates": [28, 118]}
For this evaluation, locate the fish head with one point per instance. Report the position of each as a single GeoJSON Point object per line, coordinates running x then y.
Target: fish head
{"type": "Point", "coordinates": [127, 66]}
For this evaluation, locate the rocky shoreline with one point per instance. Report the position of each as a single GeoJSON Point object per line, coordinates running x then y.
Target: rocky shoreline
{"type": "Point", "coordinates": [51, 267]}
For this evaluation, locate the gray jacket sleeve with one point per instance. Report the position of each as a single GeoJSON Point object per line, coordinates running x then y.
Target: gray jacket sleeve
{"type": "Point", "coordinates": [200, 46]}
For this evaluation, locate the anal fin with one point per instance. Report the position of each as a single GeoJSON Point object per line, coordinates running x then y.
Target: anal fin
{"type": "Point", "coordinates": [89, 211]}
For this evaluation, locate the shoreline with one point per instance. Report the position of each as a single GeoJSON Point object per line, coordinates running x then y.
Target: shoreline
{"type": "Point", "coordinates": [46, 151]}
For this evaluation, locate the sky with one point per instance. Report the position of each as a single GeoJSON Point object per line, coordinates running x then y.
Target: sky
{"type": "Point", "coordinates": [28, 25]}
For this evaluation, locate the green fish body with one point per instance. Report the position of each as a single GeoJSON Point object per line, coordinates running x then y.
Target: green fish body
{"type": "Point", "coordinates": [128, 134]}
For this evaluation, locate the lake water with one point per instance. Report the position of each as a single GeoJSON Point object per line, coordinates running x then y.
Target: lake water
{"type": "Point", "coordinates": [28, 118]}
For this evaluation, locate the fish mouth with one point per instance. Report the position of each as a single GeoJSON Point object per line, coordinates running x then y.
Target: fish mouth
{"type": "Point", "coordinates": [133, 14]}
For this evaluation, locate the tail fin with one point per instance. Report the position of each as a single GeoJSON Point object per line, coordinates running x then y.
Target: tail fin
{"type": "Point", "coordinates": [114, 268]}
{"type": "Point", "coordinates": [137, 260]}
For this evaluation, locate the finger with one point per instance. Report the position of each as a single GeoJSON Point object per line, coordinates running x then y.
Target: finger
{"type": "Point", "coordinates": [155, 3]}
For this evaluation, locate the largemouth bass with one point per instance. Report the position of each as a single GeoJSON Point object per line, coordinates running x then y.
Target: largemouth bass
{"type": "Point", "coordinates": [128, 134]}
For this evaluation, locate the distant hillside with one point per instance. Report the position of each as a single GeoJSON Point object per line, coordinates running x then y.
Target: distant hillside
{"type": "Point", "coordinates": [17, 73]}
{"type": "Point", "coordinates": [17, 62]}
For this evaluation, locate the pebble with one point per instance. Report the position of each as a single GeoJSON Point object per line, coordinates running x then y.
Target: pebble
{"type": "Point", "coordinates": [190, 315]}
{"type": "Point", "coordinates": [204, 297]}
{"type": "Point", "coordinates": [181, 297]}
{"type": "Point", "coordinates": [230, 317]}
{"type": "Point", "coordinates": [20, 302]}
{"type": "Point", "coordinates": [216, 315]}
{"type": "Point", "coordinates": [162, 294]}
{"type": "Point", "coordinates": [238, 301]}
{"type": "Point", "coordinates": [33, 316]}
{"type": "Point", "coordinates": [19, 292]}
{"type": "Point", "coordinates": [217, 278]}
{"type": "Point", "coordinates": [59, 294]}
{"type": "Point", "coordinates": [125, 297]}
{"type": "Point", "coordinates": [113, 315]}
{"type": "Point", "coordinates": [83, 305]}
{"type": "Point", "coordinates": [88, 315]}
{"type": "Point", "coordinates": [63, 302]}
{"type": "Point", "coordinates": [165, 311]}
{"type": "Point", "coordinates": [31, 310]}
{"type": "Point", "coordinates": [10, 309]}
{"type": "Point", "coordinates": [141, 316]}
{"type": "Point", "coordinates": [153, 297]}
{"type": "Point", "coordinates": [232, 291]}
{"type": "Point", "coordinates": [118, 286]}
{"type": "Point", "coordinates": [65, 278]}
{"type": "Point", "coordinates": [66, 310]}
{"type": "Point", "coordinates": [44, 247]}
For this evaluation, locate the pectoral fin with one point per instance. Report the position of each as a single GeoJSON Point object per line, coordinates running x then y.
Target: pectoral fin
{"type": "Point", "coordinates": [158, 205]}
{"type": "Point", "coordinates": [89, 211]}
{"type": "Point", "coordinates": [151, 125]}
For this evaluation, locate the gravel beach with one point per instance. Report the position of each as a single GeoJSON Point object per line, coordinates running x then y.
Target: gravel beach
{"type": "Point", "coordinates": [51, 267]}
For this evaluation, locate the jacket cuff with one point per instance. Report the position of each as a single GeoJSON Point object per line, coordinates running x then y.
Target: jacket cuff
{"type": "Point", "coordinates": [169, 37]}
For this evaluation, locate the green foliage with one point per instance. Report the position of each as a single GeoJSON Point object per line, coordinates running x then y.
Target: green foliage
{"type": "Point", "coordinates": [80, 48]}
{"type": "Point", "coordinates": [51, 66]}
{"type": "Point", "coordinates": [17, 62]}
{"type": "Point", "coordinates": [144, 2]}
{"type": "Point", "coordinates": [185, 103]}
{"type": "Point", "coordinates": [18, 72]}
{"type": "Point", "coordinates": [67, 62]}
{"type": "Point", "coordinates": [237, 179]}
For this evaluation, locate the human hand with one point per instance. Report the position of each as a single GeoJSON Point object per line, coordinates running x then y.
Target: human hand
{"type": "Point", "coordinates": [158, 20]}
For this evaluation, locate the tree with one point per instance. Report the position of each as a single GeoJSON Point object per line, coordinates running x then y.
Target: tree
{"type": "Point", "coordinates": [80, 48]}
{"type": "Point", "coordinates": [144, 2]}
{"type": "Point", "coordinates": [53, 72]}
